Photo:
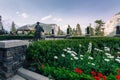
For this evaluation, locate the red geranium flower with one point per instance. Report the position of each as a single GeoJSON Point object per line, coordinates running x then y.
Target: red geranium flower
{"type": "Point", "coordinates": [118, 77]}
{"type": "Point", "coordinates": [76, 69]}
{"type": "Point", "coordinates": [119, 70]}
{"type": "Point", "coordinates": [104, 78]}
{"type": "Point", "coordinates": [93, 73]}
{"type": "Point", "coordinates": [100, 74]}
{"type": "Point", "coordinates": [79, 71]}
{"type": "Point", "coordinates": [97, 78]}
{"type": "Point", "coordinates": [42, 66]}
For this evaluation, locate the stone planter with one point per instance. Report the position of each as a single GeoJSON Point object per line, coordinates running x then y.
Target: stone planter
{"type": "Point", "coordinates": [12, 56]}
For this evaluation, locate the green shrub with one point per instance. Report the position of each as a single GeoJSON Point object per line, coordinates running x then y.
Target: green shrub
{"type": "Point", "coordinates": [16, 37]}
{"type": "Point", "coordinates": [59, 53]}
{"type": "Point", "coordinates": [58, 73]}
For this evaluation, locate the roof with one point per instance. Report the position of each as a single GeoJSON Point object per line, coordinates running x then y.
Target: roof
{"type": "Point", "coordinates": [25, 28]}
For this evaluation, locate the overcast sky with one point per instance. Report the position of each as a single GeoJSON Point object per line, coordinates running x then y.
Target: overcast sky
{"type": "Point", "coordinates": [61, 12]}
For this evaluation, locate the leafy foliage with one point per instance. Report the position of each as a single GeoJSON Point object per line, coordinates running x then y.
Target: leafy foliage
{"type": "Point", "coordinates": [86, 54]}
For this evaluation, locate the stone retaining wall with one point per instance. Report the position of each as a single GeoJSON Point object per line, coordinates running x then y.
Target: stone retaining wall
{"type": "Point", "coordinates": [12, 57]}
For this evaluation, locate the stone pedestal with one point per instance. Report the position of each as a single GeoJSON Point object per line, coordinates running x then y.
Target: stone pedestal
{"type": "Point", "coordinates": [117, 35]}
{"type": "Point", "coordinates": [12, 56]}
{"type": "Point", "coordinates": [87, 35]}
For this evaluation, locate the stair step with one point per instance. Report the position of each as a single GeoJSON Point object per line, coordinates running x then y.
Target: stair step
{"type": "Point", "coordinates": [29, 75]}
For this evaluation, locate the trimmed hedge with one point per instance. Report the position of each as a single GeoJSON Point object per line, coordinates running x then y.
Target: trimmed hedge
{"type": "Point", "coordinates": [15, 37]}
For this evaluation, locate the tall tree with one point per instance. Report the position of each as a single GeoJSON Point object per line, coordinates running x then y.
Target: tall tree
{"type": "Point", "coordinates": [13, 29]}
{"type": "Point", "coordinates": [98, 28]}
{"type": "Point", "coordinates": [78, 30]}
{"type": "Point", "coordinates": [60, 32]}
{"type": "Point", "coordinates": [74, 31]}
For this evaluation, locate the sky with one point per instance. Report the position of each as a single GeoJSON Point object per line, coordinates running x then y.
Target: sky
{"type": "Point", "coordinates": [60, 12]}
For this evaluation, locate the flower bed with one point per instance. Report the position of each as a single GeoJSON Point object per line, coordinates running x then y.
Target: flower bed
{"type": "Point", "coordinates": [77, 57]}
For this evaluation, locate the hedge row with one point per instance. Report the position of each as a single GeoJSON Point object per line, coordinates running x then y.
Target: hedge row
{"type": "Point", "coordinates": [16, 37]}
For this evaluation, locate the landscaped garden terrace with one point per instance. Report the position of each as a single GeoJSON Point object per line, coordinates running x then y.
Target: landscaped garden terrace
{"type": "Point", "coordinates": [76, 59]}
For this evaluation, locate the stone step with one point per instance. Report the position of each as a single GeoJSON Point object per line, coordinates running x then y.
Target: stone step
{"type": "Point", "coordinates": [17, 77]}
{"type": "Point", "coordinates": [29, 75]}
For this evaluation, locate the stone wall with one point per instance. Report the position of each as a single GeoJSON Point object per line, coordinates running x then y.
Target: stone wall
{"type": "Point", "coordinates": [11, 58]}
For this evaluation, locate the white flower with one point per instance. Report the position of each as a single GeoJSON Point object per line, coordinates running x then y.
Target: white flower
{"type": "Point", "coordinates": [69, 52]}
{"type": "Point", "coordinates": [93, 64]}
{"type": "Point", "coordinates": [106, 48]}
{"type": "Point", "coordinates": [63, 55]}
{"type": "Point", "coordinates": [118, 60]}
{"type": "Point", "coordinates": [111, 57]}
{"type": "Point", "coordinates": [74, 52]}
{"type": "Point", "coordinates": [64, 49]}
{"type": "Point", "coordinates": [89, 47]}
{"type": "Point", "coordinates": [98, 50]}
{"type": "Point", "coordinates": [118, 52]}
{"type": "Point", "coordinates": [55, 57]}
{"type": "Point", "coordinates": [90, 57]}
{"type": "Point", "coordinates": [81, 58]}
{"type": "Point", "coordinates": [81, 55]}
{"type": "Point", "coordinates": [118, 57]}
{"type": "Point", "coordinates": [107, 54]}
{"type": "Point", "coordinates": [107, 60]}
{"type": "Point", "coordinates": [73, 55]}
{"type": "Point", "coordinates": [68, 48]}
{"type": "Point", "coordinates": [71, 58]}
{"type": "Point", "coordinates": [80, 45]}
{"type": "Point", "coordinates": [76, 58]}
{"type": "Point", "coordinates": [88, 62]}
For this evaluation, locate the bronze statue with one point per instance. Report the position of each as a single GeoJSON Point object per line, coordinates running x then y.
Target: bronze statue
{"type": "Point", "coordinates": [38, 31]}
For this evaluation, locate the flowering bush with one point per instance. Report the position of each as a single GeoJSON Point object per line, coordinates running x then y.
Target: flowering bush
{"type": "Point", "coordinates": [86, 55]}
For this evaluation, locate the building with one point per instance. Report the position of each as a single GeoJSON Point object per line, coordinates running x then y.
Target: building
{"type": "Point", "coordinates": [112, 26]}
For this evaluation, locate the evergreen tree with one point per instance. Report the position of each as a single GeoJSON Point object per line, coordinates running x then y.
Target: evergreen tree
{"type": "Point", "coordinates": [13, 29]}
{"type": "Point", "coordinates": [74, 31]}
{"type": "Point", "coordinates": [78, 30]}
{"type": "Point", "coordinates": [60, 32]}
{"type": "Point", "coordinates": [98, 28]}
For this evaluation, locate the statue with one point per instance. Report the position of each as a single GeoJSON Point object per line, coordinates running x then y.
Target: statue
{"type": "Point", "coordinates": [88, 30]}
{"type": "Point", "coordinates": [68, 31]}
{"type": "Point", "coordinates": [38, 31]}
{"type": "Point", "coordinates": [118, 30]}
{"type": "Point", "coordinates": [52, 31]}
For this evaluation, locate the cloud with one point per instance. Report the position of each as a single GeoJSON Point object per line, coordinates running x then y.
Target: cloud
{"type": "Point", "coordinates": [23, 15]}
{"type": "Point", "coordinates": [58, 19]}
{"type": "Point", "coordinates": [17, 12]}
{"type": "Point", "coordinates": [46, 17]}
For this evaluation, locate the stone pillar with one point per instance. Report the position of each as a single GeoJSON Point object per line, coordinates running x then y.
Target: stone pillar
{"type": "Point", "coordinates": [12, 57]}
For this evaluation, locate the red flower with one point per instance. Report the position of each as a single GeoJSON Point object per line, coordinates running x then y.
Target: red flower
{"type": "Point", "coordinates": [97, 78]}
{"type": "Point", "coordinates": [42, 66]}
{"type": "Point", "coordinates": [79, 71]}
{"type": "Point", "coordinates": [93, 73]}
{"type": "Point", "coordinates": [104, 78]}
{"type": "Point", "coordinates": [118, 77]}
{"type": "Point", "coordinates": [100, 74]}
{"type": "Point", "coordinates": [119, 70]}
{"type": "Point", "coordinates": [76, 69]}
